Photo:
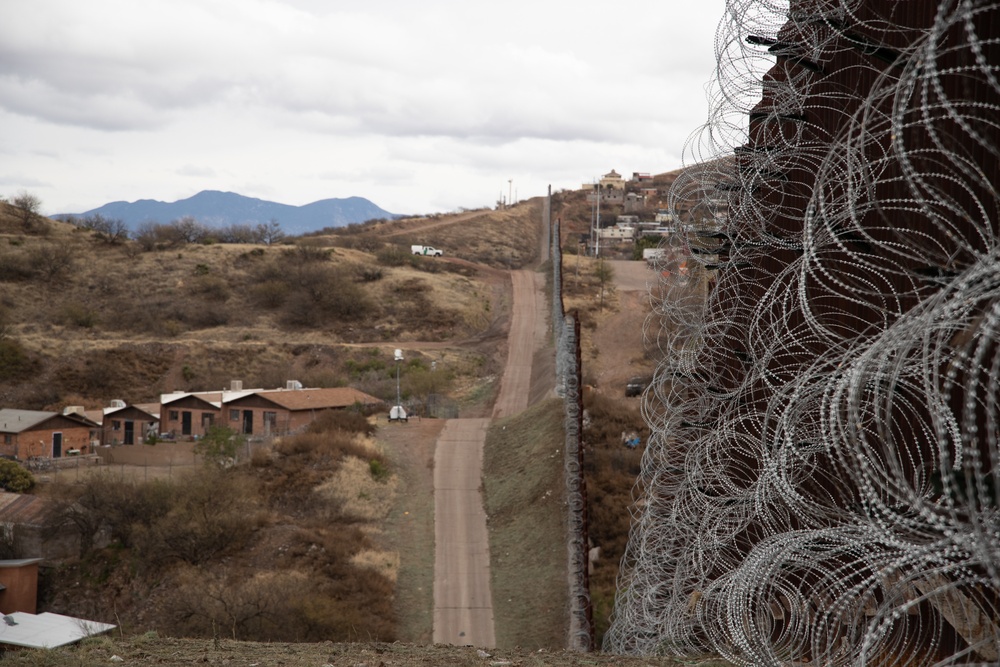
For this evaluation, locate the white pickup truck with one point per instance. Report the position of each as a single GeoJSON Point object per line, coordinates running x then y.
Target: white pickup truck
{"type": "Point", "coordinates": [425, 250]}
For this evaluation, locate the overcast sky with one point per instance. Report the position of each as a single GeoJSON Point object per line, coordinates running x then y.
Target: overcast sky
{"type": "Point", "coordinates": [418, 106]}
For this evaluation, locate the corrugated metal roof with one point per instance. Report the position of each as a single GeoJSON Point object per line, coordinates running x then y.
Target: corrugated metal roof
{"type": "Point", "coordinates": [47, 630]}
{"type": "Point", "coordinates": [15, 421]}
{"type": "Point", "coordinates": [17, 508]}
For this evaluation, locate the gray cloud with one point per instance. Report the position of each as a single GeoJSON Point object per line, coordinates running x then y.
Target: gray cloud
{"type": "Point", "coordinates": [228, 87]}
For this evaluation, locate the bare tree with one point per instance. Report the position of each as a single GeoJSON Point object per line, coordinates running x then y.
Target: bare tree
{"type": "Point", "coordinates": [112, 231]}
{"type": "Point", "coordinates": [28, 207]}
{"type": "Point", "coordinates": [270, 233]}
{"type": "Point", "coordinates": [189, 230]}
{"type": "Point", "coordinates": [53, 262]}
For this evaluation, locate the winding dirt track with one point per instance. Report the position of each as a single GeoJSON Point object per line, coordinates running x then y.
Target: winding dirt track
{"type": "Point", "coordinates": [463, 604]}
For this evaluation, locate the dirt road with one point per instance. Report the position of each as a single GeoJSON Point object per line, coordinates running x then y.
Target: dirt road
{"type": "Point", "coordinates": [619, 338]}
{"type": "Point", "coordinates": [463, 606]}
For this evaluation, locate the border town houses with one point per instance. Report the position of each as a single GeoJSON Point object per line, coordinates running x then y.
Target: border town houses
{"type": "Point", "coordinates": [37, 433]}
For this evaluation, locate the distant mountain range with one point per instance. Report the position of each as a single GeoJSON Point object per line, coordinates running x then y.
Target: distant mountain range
{"type": "Point", "coordinates": [222, 209]}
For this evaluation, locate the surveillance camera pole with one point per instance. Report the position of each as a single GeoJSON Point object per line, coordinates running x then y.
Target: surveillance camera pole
{"type": "Point", "coordinates": [397, 411]}
{"type": "Point", "coordinates": [398, 399]}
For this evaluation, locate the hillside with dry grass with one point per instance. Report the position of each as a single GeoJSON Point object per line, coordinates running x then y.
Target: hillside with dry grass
{"type": "Point", "coordinates": [86, 318]}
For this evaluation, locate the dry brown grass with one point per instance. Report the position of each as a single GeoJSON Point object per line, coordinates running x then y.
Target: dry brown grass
{"type": "Point", "coordinates": [358, 491]}
{"type": "Point", "coordinates": [525, 501]}
{"type": "Point", "coordinates": [129, 324]}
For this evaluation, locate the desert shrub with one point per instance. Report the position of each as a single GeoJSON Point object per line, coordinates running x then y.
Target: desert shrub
{"type": "Point", "coordinates": [249, 606]}
{"type": "Point", "coordinates": [322, 294]}
{"type": "Point", "coordinates": [368, 274]}
{"type": "Point", "coordinates": [270, 294]}
{"type": "Point", "coordinates": [411, 287]}
{"type": "Point", "coordinates": [393, 255]}
{"type": "Point", "coordinates": [306, 253]}
{"type": "Point", "coordinates": [109, 502]}
{"type": "Point", "coordinates": [79, 315]}
{"type": "Point", "coordinates": [260, 458]}
{"type": "Point", "coordinates": [211, 516]}
{"type": "Point", "coordinates": [428, 264]}
{"type": "Point", "coordinates": [151, 236]}
{"type": "Point", "coordinates": [369, 243]}
{"type": "Point", "coordinates": [14, 478]}
{"type": "Point", "coordinates": [14, 360]}
{"type": "Point", "coordinates": [374, 360]}
{"type": "Point", "coordinates": [52, 262]}
{"type": "Point", "coordinates": [328, 446]}
{"type": "Point", "coordinates": [212, 288]}
{"type": "Point", "coordinates": [303, 443]}
{"type": "Point", "coordinates": [15, 266]}
{"type": "Point", "coordinates": [200, 315]}
{"type": "Point", "coordinates": [349, 421]}
{"type": "Point", "coordinates": [421, 381]}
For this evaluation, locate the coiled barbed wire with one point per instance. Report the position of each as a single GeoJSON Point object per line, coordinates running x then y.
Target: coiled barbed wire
{"type": "Point", "coordinates": [823, 480]}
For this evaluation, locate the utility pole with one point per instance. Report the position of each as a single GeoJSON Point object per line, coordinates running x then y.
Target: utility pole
{"type": "Point", "coordinates": [597, 241]}
{"type": "Point", "coordinates": [510, 190]}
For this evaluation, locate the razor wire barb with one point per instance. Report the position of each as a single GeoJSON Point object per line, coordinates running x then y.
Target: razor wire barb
{"type": "Point", "coordinates": [823, 480]}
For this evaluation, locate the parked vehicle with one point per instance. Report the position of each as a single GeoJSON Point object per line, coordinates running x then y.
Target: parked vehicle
{"type": "Point", "coordinates": [652, 255]}
{"type": "Point", "coordinates": [398, 414]}
{"type": "Point", "coordinates": [425, 250]}
{"type": "Point", "coordinates": [636, 385]}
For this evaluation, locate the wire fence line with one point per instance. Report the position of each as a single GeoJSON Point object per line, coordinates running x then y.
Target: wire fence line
{"type": "Point", "coordinates": [822, 484]}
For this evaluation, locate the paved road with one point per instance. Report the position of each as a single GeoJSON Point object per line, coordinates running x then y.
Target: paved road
{"type": "Point", "coordinates": [463, 604]}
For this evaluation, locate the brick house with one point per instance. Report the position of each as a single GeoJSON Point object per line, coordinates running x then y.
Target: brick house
{"type": "Point", "coordinates": [27, 433]}
{"type": "Point", "coordinates": [128, 425]}
{"type": "Point", "coordinates": [279, 411]}
{"type": "Point", "coordinates": [185, 415]}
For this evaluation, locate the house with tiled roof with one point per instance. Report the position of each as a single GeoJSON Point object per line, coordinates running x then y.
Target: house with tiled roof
{"type": "Point", "coordinates": [278, 411]}
{"type": "Point", "coordinates": [253, 411]}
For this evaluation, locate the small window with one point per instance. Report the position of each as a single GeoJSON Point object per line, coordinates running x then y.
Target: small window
{"type": "Point", "coordinates": [116, 425]}
{"type": "Point", "coordinates": [234, 415]}
{"type": "Point", "coordinates": [8, 439]}
{"type": "Point", "coordinates": [174, 415]}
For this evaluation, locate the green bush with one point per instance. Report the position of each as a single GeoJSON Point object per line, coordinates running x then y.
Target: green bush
{"type": "Point", "coordinates": [378, 469]}
{"type": "Point", "coordinates": [14, 478]}
{"type": "Point", "coordinates": [219, 445]}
